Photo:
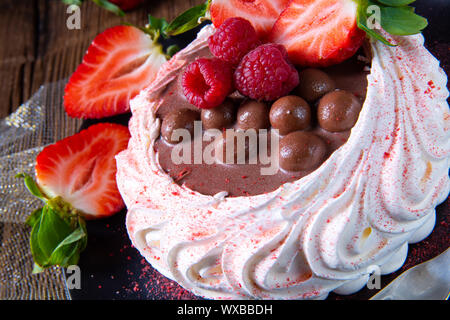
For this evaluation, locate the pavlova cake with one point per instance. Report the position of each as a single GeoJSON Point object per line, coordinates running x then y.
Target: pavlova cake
{"type": "Point", "coordinates": [344, 151]}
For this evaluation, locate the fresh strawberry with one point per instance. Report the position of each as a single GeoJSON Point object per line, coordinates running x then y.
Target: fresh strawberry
{"type": "Point", "coordinates": [318, 33]}
{"type": "Point", "coordinates": [119, 63]}
{"type": "Point", "coordinates": [261, 13]}
{"type": "Point", "coordinates": [81, 169]}
{"type": "Point", "coordinates": [127, 4]}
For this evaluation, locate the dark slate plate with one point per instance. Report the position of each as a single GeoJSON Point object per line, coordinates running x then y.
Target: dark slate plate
{"type": "Point", "coordinates": [112, 269]}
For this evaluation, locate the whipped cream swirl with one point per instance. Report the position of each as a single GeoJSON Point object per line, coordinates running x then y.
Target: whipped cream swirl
{"type": "Point", "coordinates": [324, 232]}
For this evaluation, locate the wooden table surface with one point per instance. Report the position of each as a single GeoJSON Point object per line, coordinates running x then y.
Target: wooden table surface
{"type": "Point", "coordinates": [36, 47]}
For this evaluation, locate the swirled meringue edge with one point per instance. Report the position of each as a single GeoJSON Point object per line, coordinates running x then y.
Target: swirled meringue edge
{"type": "Point", "coordinates": [324, 232]}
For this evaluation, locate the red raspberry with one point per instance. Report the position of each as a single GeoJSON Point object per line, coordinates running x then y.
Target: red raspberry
{"type": "Point", "coordinates": [266, 73]}
{"type": "Point", "coordinates": [207, 82]}
{"type": "Point", "coordinates": [233, 39]}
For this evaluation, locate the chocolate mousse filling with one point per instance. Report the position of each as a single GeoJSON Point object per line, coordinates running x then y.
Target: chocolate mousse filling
{"type": "Point", "coordinates": [313, 121]}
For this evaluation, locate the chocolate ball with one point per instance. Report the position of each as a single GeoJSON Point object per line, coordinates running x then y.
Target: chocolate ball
{"type": "Point", "coordinates": [219, 117]}
{"type": "Point", "coordinates": [338, 111]}
{"type": "Point", "coordinates": [253, 115]}
{"type": "Point", "coordinates": [314, 84]}
{"type": "Point", "coordinates": [178, 119]}
{"type": "Point", "coordinates": [301, 150]}
{"type": "Point", "coordinates": [290, 113]}
{"type": "Point", "coordinates": [234, 147]}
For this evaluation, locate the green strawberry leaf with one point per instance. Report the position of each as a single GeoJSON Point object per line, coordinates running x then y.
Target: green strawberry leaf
{"type": "Point", "coordinates": [58, 231]}
{"type": "Point", "coordinates": [54, 241]}
{"type": "Point", "coordinates": [34, 217]}
{"type": "Point", "coordinates": [105, 4]}
{"type": "Point", "coordinates": [156, 23]}
{"type": "Point", "coordinates": [187, 20]}
{"type": "Point", "coordinates": [32, 186]}
{"type": "Point", "coordinates": [155, 27]}
{"type": "Point", "coordinates": [171, 50]}
{"type": "Point", "coordinates": [362, 19]}
{"type": "Point", "coordinates": [36, 251]}
{"type": "Point", "coordinates": [395, 17]}
{"type": "Point", "coordinates": [37, 268]}
{"type": "Point", "coordinates": [396, 3]}
{"type": "Point", "coordinates": [52, 231]}
{"type": "Point", "coordinates": [67, 248]}
{"type": "Point", "coordinates": [71, 2]}
{"type": "Point", "coordinates": [109, 6]}
{"type": "Point", "coordinates": [83, 242]}
{"type": "Point", "coordinates": [402, 21]}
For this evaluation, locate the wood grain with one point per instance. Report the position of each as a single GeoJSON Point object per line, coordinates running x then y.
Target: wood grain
{"type": "Point", "coordinates": [36, 47]}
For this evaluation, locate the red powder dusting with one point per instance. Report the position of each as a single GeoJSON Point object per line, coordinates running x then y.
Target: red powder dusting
{"type": "Point", "coordinates": [436, 243]}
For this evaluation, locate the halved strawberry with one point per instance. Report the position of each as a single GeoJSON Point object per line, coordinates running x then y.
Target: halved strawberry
{"type": "Point", "coordinates": [82, 169]}
{"type": "Point", "coordinates": [119, 63]}
{"type": "Point", "coordinates": [318, 33]}
{"type": "Point", "coordinates": [261, 13]}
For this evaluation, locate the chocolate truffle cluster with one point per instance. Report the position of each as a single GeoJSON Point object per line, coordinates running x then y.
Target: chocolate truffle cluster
{"type": "Point", "coordinates": [315, 104]}
{"type": "Point", "coordinates": [317, 101]}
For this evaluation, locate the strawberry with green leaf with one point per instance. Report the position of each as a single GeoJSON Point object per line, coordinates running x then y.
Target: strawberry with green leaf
{"type": "Point", "coordinates": [316, 33]}
{"type": "Point", "coordinates": [76, 180]}
{"type": "Point", "coordinates": [397, 17]}
{"type": "Point", "coordinates": [186, 21]}
{"type": "Point", "coordinates": [120, 62]}
{"type": "Point", "coordinates": [321, 33]}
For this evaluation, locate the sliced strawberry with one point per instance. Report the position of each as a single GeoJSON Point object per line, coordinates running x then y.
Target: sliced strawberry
{"type": "Point", "coordinates": [127, 4]}
{"type": "Point", "coordinates": [318, 33]}
{"type": "Point", "coordinates": [82, 169]}
{"type": "Point", "coordinates": [261, 13]}
{"type": "Point", "coordinates": [119, 63]}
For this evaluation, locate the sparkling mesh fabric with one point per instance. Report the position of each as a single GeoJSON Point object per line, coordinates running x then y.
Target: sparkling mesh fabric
{"type": "Point", "coordinates": [38, 122]}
